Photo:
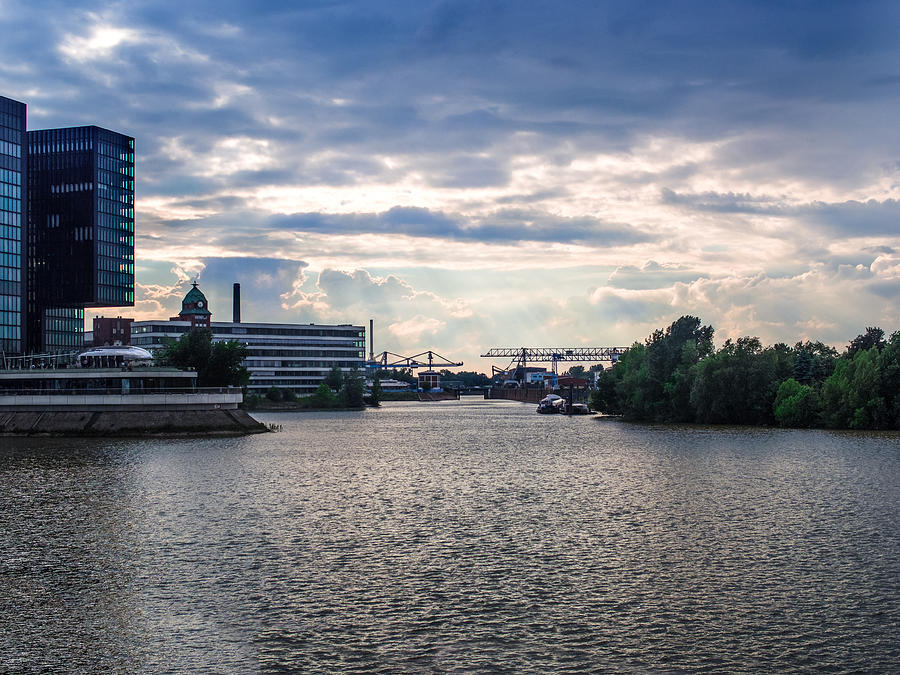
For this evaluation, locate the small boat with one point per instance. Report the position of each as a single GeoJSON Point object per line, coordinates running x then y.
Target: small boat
{"type": "Point", "coordinates": [550, 404]}
{"type": "Point", "coordinates": [580, 409]}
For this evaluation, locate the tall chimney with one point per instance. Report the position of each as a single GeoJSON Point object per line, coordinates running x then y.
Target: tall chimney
{"type": "Point", "coordinates": [236, 303]}
{"type": "Point", "coordinates": [371, 340]}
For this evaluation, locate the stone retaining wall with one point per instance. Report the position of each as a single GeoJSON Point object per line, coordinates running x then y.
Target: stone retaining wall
{"type": "Point", "coordinates": [129, 423]}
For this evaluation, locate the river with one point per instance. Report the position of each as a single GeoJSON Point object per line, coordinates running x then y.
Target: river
{"type": "Point", "coordinates": [457, 536]}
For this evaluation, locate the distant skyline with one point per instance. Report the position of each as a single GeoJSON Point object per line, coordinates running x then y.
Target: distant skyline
{"type": "Point", "coordinates": [482, 174]}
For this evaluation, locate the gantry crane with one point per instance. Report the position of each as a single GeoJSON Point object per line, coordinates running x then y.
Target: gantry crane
{"type": "Point", "coordinates": [521, 355]}
{"type": "Point", "coordinates": [382, 361]}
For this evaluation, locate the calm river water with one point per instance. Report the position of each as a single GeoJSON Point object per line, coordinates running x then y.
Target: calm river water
{"type": "Point", "coordinates": [460, 536]}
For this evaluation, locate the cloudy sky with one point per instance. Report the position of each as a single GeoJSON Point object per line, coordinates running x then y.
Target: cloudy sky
{"type": "Point", "coordinates": [491, 173]}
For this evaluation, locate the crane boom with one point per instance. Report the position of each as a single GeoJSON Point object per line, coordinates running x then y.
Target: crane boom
{"type": "Point", "coordinates": [522, 355]}
{"type": "Point", "coordinates": [383, 360]}
{"type": "Point", "coordinates": [556, 353]}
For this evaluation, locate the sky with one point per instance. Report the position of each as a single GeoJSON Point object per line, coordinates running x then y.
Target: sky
{"type": "Point", "coordinates": [494, 174]}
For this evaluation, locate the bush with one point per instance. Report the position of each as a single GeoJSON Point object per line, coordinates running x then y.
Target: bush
{"type": "Point", "coordinates": [274, 394]}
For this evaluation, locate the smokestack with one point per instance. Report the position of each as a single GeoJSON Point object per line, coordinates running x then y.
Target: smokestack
{"type": "Point", "coordinates": [371, 340]}
{"type": "Point", "coordinates": [236, 303]}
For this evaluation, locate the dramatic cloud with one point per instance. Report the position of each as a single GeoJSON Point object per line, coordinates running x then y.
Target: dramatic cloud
{"type": "Point", "coordinates": [479, 173]}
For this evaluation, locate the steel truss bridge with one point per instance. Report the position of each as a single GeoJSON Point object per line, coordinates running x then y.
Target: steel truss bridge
{"type": "Point", "coordinates": [520, 356]}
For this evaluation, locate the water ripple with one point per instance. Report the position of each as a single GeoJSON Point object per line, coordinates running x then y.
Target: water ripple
{"type": "Point", "coordinates": [460, 537]}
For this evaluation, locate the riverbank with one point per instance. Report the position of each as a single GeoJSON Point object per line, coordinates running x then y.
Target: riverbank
{"type": "Point", "coordinates": [118, 423]}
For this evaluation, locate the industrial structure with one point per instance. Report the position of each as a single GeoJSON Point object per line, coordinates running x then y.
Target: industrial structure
{"type": "Point", "coordinates": [520, 356]}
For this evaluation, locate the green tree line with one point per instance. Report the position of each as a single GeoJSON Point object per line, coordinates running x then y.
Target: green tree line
{"type": "Point", "coordinates": [676, 375]}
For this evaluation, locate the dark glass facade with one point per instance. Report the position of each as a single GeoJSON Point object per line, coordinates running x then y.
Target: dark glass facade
{"type": "Point", "coordinates": [12, 224]}
{"type": "Point", "coordinates": [80, 235]}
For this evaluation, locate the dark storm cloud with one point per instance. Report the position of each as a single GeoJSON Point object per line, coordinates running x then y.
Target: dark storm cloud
{"type": "Point", "coordinates": [845, 219]}
{"type": "Point", "coordinates": [508, 226]}
{"type": "Point", "coordinates": [801, 90]}
{"type": "Point", "coordinates": [605, 71]}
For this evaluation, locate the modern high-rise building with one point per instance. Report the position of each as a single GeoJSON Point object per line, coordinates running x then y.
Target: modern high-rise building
{"type": "Point", "coordinates": [12, 226]}
{"type": "Point", "coordinates": [80, 231]}
{"type": "Point", "coordinates": [66, 230]}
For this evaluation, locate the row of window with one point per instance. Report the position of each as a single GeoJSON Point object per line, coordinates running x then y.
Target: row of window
{"type": "Point", "coordinates": [294, 384]}
{"type": "Point", "coordinates": [10, 204]}
{"type": "Point", "coordinates": [13, 121]}
{"type": "Point", "coordinates": [10, 222]}
{"type": "Point", "coordinates": [83, 234]}
{"type": "Point", "coordinates": [117, 239]}
{"type": "Point", "coordinates": [300, 332]}
{"type": "Point", "coordinates": [114, 278]}
{"type": "Point", "coordinates": [13, 177]}
{"type": "Point", "coordinates": [116, 152]}
{"type": "Point", "coordinates": [10, 303]}
{"type": "Point", "coordinates": [10, 332]}
{"type": "Point", "coordinates": [11, 149]}
{"type": "Point", "coordinates": [116, 166]}
{"type": "Point", "coordinates": [69, 187]}
{"type": "Point", "coordinates": [10, 289]}
{"type": "Point", "coordinates": [13, 135]}
{"type": "Point", "coordinates": [14, 164]}
{"type": "Point", "coordinates": [114, 208]}
{"type": "Point", "coordinates": [117, 251]}
{"type": "Point", "coordinates": [267, 330]}
{"type": "Point", "coordinates": [11, 346]}
{"type": "Point", "coordinates": [115, 265]}
{"type": "Point", "coordinates": [10, 273]}
{"type": "Point", "coordinates": [113, 222]}
{"type": "Point", "coordinates": [8, 190]}
{"type": "Point", "coordinates": [10, 318]}
{"type": "Point", "coordinates": [10, 246]}
{"type": "Point", "coordinates": [113, 296]}
{"type": "Point", "coordinates": [115, 180]}
{"type": "Point", "coordinates": [68, 325]}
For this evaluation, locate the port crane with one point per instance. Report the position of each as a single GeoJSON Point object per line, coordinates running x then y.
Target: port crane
{"type": "Point", "coordinates": [391, 360]}
{"type": "Point", "coordinates": [521, 355]}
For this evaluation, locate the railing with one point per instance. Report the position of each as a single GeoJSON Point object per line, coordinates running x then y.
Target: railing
{"type": "Point", "coordinates": [115, 391]}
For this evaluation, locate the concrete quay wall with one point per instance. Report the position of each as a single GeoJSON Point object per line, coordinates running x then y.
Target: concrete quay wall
{"type": "Point", "coordinates": [116, 423]}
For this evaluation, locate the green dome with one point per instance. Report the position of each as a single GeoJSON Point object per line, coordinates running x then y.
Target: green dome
{"type": "Point", "coordinates": [195, 302]}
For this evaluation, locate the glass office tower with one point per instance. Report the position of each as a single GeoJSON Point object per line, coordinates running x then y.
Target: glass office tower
{"type": "Point", "coordinates": [80, 231]}
{"type": "Point", "coordinates": [12, 223]}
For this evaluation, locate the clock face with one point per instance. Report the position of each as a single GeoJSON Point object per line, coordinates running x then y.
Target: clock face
{"type": "Point", "coordinates": [199, 303]}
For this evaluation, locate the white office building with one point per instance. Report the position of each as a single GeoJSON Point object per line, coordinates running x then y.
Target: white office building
{"type": "Point", "coordinates": [287, 356]}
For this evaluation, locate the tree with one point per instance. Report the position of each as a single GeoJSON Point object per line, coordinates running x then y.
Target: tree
{"type": "Point", "coordinates": [353, 389]}
{"type": "Point", "coordinates": [217, 364]}
{"type": "Point", "coordinates": [873, 337]}
{"type": "Point", "coordinates": [323, 398]}
{"type": "Point", "coordinates": [576, 371]}
{"type": "Point", "coordinates": [852, 396]}
{"type": "Point", "coordinates": [820, 358]}
{"type": "Point", "coordinates": [225, 367]}
{"type": "Point", "coordinates": [796, 405]}
{"type": "Point", "coordinates": [656, 380]}
{"type": "Point", "coordinates": [738, 384]}
{"type": "Point", "coordinates": [335, 378]}
{"type": "Point", "coordinates": [804, 368]}
{"type": "Point", "coordinates": [376, 391]}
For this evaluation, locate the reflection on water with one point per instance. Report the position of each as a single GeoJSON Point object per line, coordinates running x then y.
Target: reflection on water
{"type": "Point", "coordinates": [465, 535]}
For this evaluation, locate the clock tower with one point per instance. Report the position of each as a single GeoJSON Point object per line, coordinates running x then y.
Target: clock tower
{"type": "Point", "coordinates": [194, 308]}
